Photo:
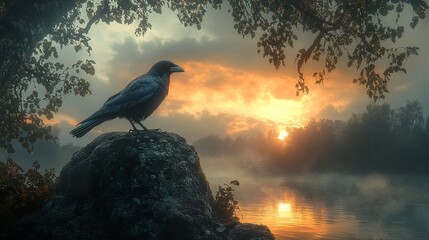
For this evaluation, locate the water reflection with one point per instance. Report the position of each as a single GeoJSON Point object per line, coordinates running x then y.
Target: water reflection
{"type": "Point", "coordinates": [340, 207]}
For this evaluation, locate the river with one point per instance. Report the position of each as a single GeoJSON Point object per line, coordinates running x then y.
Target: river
{"type": "Point", "coordinates": [337, 206]}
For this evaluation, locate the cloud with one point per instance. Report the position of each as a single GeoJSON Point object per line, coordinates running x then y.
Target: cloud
{"type": "Point", "coordinates": [224, 77]}
{"type": "Point", "coordinates": [60, 118]}
{"type": "Point", "coordinates": [224, 85]}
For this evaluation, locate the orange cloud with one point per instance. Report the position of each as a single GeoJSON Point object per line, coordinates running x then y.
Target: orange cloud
{"type": "Point", "coordinates": [260, 98]}
{"type": "Point", "coordinates": [252, 95]}
{"type": "Point", "coordinates": [59, 118]}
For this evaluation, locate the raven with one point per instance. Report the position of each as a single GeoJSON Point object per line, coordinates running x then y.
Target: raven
{"type": "Point", "coordinates": [136, 101]}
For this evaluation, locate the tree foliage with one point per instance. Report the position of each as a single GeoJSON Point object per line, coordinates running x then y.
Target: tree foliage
{"type": "Point", "coordinates": [34, 79]}
{"type": "Point", "coordinates": [22, 192]}
{"type": "Point", "coordinates": [355, 31]}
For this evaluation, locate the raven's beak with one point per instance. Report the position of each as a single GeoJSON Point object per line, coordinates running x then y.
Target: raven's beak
{"type": "Point", "coordinates": [176, 69]}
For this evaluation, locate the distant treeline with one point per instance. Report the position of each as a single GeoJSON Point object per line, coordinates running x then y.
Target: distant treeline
{"type": "Point", "coordinates": [48, 153]}
{"type": "Point", "coordinates": [378, 140]}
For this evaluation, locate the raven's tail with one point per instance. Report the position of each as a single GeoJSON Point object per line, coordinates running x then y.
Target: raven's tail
{"type": "Point", "coordinates": [85, 127]}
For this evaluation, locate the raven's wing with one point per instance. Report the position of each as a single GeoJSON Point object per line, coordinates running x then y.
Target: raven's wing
{"type": "Point", "coordinates": [136, 92]}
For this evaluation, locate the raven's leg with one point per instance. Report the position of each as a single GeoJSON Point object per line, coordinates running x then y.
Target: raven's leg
{"type": "Point", "coordinates": [147, 129]}
{"type": "Point", "coordinates": [132, 124]}
{"type": "Point", "coordinates": [141, 125]}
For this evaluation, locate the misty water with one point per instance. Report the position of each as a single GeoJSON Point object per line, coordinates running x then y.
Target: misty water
{"type": "Point", "coordinates": [336, 206]}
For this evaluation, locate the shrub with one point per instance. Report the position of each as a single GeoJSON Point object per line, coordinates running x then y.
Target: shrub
{"type": "Point", "coordinates": [225, 203]}
{"type": "Point", "coordinates": [22, 192]}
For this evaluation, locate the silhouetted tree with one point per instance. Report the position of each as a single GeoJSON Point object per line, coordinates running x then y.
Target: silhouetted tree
{"type": "Point", "coordinates": [409, 135]}
{"type": "Point", "coordinates": [410, 117]}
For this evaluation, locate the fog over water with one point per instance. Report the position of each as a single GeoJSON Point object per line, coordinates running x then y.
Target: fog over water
{"type": "Point", "coordinates": [303, 188]}
{"type": "Point", "coordinates": [332, 206]}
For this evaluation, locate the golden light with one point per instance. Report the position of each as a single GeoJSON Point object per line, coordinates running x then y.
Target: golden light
{"type": "Point", "coordinates": [57, 120]}
{"type": "Point", "coordinates": [289, 215]}
{"type": "Point", "coordinates": [284, 207]}
{"type": "Point", "coordinates": [218, 89]}
{"type": "Point", "coordinates": [62, 118]}
{"type": "Point", "coordinates": [282, 134]}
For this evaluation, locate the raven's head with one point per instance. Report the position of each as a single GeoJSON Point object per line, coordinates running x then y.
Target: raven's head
{"type": "Point", "coordinates": [165, 67]}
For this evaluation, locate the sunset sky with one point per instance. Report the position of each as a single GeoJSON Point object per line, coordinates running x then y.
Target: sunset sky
{"type": "Point", "coordinates": [227, 88]}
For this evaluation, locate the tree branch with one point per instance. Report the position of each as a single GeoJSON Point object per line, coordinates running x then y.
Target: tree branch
{"type": "Point", "coordinates": [306, 55]}
{"type": "Point", "coordinates": [97, 16]}
{"type": "Point", "coordinates": [297, 5]}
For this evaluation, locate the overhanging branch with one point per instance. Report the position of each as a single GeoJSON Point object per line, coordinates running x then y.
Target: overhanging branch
{"type": "Point", "coordinates": [97, 16]}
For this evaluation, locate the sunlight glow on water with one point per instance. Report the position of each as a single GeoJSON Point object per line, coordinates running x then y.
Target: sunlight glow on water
{"type": "Point", "coordinates": [288, 220]}
{"type": "Point", "coordinates": [382, 216]}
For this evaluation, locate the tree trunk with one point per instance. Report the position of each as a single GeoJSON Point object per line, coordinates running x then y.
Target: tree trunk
{"type": "Point", "coordinates": [22, 25]}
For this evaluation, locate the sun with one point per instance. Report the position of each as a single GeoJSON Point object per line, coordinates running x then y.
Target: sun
{"type": "Point", "coordinates": [282, 135]}
{"type": "Point", "coordinates": [284, 207]}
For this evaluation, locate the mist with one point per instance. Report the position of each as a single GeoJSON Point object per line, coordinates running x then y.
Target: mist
{"type": "Point", "coordinates": [380, 140]}
{"type": "Point", "coordinates": [364, 178]}
{"type": "Point", "coordinates": [49, 154]}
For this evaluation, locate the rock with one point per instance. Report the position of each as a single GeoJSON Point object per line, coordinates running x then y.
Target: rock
{"type": "Point", "coordinates": [139, 185]}
{"type": "Point", "coordinates": [250, 232]}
